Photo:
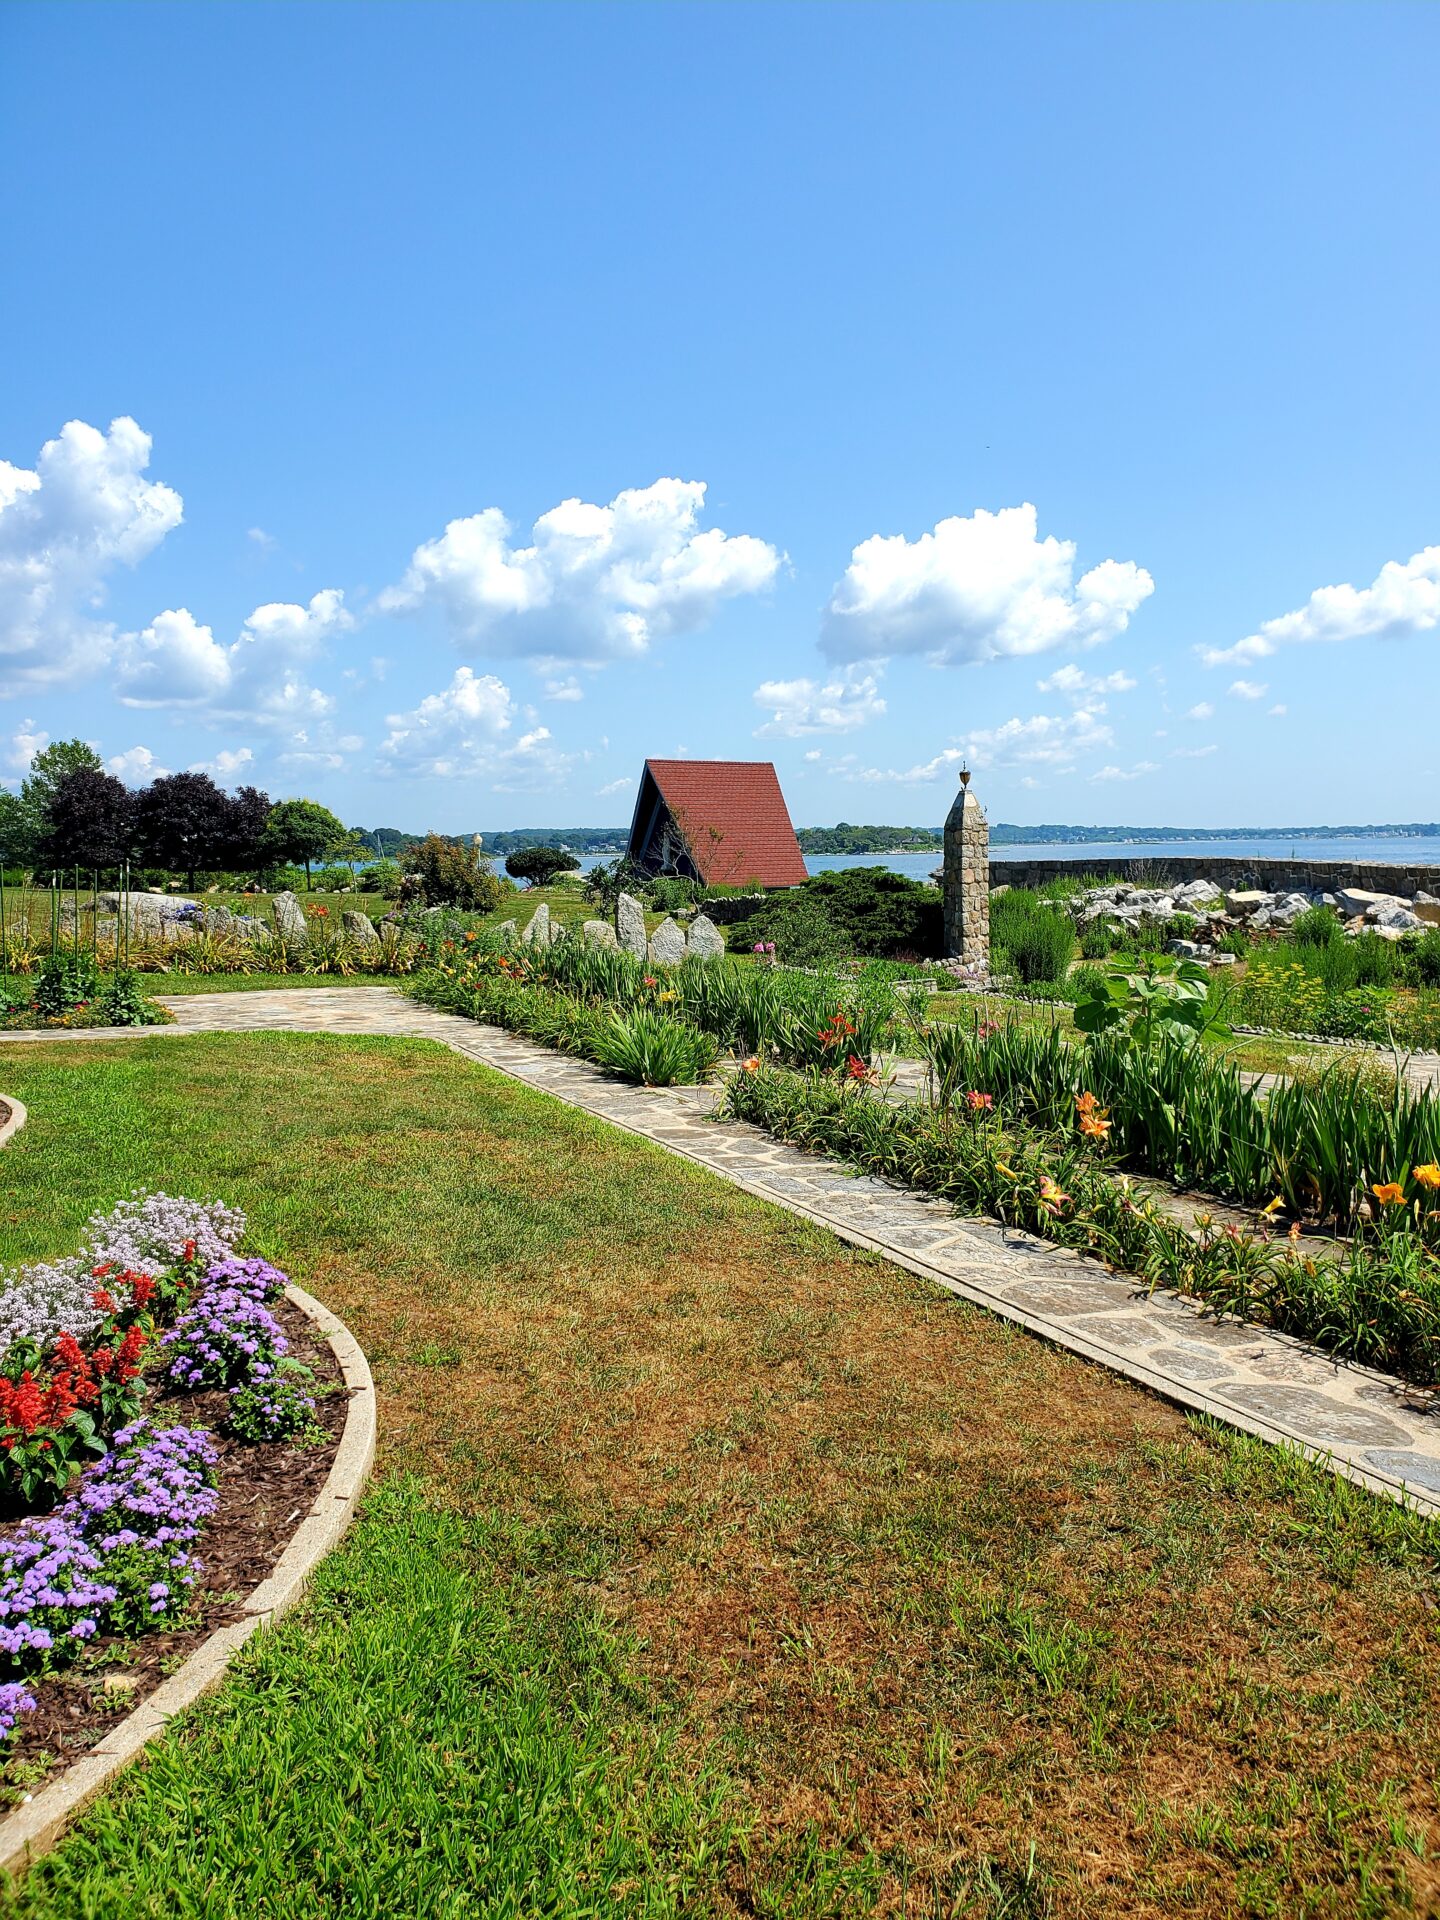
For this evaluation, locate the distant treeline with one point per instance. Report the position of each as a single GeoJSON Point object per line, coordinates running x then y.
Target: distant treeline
{"type": "Point", "coordinates": [389, 842]}
{"type": "Point", "coordinates": [848, 839]}
{"type": "Point", "coordinates": [1005, 834]}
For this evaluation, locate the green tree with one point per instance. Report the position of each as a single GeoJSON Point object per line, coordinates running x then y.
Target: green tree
{"type": "Point", "coordinates": [299, 831]}
{"type": "Point", "coordinates": [539, 864]}
{"type": "Point", "coordinates": [37, 791]}
{"type": "Point", "coordinates": [19, 842]}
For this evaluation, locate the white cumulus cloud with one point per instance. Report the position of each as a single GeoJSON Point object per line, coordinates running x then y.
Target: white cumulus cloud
{"type": "Point", "coordinates": [1202, 710]}
{"type": "Point", "coordinates": [1402, 601]}
{"type": "Point", "coordinates": [625, 784]}
{"type": "Point", "coordinates": [1046, 740]}
{"type": "Point", "coordinates": [1137, 772]}
{"type": "Point", "coordinates": [135, 766]}
{"type": "Point", "coordinates": [1248, 689]}
{"type": "Point", "coordinates": [1193, 753]}
{"type": "Point", "coordinates": [463, 732]}
{"type": "Point", "coordinates": [595, 583]}
{"type": "Point", "coordinates": [261, 676]}
{"type": "Point", "coordinates": [25, 743]}
{"type": "Point", "coordinates": [1074, 682]}
{"type": "Point", "coordinates": [977, 589]}
{"type": "Point", "coordinates": [83, 510]}
{"type": "Point", "coordinates": [800, 707]}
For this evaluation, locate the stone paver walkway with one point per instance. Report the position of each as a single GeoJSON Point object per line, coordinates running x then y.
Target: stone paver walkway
{"type": "Point", "coordinates": [1363, 1424]}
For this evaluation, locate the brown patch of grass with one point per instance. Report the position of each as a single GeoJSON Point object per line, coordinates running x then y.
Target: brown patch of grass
{"type": "Point", "coordinates": [936, 1593]}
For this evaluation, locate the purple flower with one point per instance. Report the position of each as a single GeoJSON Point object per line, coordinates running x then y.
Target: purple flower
{"type": "Point", "coordinates": [228, 1336]}
{"type": "Point", "coordinates": [14, 1700]}
{"type": "Point", "coordinates": [118, 1546]}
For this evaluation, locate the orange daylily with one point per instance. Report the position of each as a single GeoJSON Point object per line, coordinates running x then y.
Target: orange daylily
{"type": "Point", "coordinates": [1389, 1193]}
{"type": "Point", "coordinates": [752, 1065]}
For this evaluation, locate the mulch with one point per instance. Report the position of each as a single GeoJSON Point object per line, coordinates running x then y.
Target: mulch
{"type": "Point", "coordinates": [265, 1492]}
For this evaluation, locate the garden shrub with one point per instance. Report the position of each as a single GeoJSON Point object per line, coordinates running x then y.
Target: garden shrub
{"type": "Point", "coordinates": [1035, 939]}
{"type": "Point", "coordinates": [454, 873]}
{"type": "Point", "coordinates": [867, 911]}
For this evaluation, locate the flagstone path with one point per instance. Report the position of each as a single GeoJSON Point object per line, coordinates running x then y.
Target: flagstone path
{"type": "Point", "coordinates": [1363, 1424]}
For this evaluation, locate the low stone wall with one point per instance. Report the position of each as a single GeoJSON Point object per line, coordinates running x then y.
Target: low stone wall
{"type": "Point", "coordinates": [1275, 876]}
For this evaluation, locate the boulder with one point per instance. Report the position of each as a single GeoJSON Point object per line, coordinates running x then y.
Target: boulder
{"type": "Point", "coordinates": [1249, 900]}
{"type": "Point", "coordinates": [1353, 900]}
{"type": "Point", "coordinates": [1426, 910]}
{"type": "Point", "coordinates": [706, 940]}
{"type": "Point", "coordinates": [600, 933]}
{"type": "Point", "coordinates": [667, 944]}
{"type": "Point", "coordinates": [630, 925]}
{"type": "Point", "coordinates": [1222, 959]}
{"type": "Point", "coordinates": [215, 920]}
{"type": "Point", "coordinates": [538, 933]}
{"type": "Point", "coordinates": [1397, 919]}
{"type": "Point", "coordinates": [507, 932]}
{"type": "Point", "coordinates": [360, 927]}
{"type": "Point", "coordinates": [289, 916]}
{"type": "Point", "coordinates": [1183, 949]}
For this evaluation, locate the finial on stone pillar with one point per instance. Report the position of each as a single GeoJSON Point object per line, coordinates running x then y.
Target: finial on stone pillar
{"type": "Point", "coordinates": [967, 882]}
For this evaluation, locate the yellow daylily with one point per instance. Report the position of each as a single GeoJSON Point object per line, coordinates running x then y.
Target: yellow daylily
{"type": "Point", "coordinates": [1428, 1175]}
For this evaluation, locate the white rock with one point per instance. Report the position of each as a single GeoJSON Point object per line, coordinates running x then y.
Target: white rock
{"type": "Point", "coordinates": [289, 916]}
{"type": "Point", "coordinates": [667, 944]}
{"type": "Point", "coordinates": [706, 940]}
{"type": "Point", "coordinates": [600, 933]}
{"type": "Point", "coordinates": [1399, 919]}
{"type": "Point", "coordinates": [537, 933]}
{"type": "Point", "coordinates": [630, 925]}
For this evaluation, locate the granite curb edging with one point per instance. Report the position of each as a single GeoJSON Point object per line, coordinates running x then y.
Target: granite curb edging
{"type": "Point", "coordinates": [14, 1119]}
{"type": "Point", "coordinates": [39, 1824]}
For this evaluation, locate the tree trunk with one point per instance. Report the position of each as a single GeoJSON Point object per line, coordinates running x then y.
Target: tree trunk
{"type": "Point", "coordinates": [309, 883]}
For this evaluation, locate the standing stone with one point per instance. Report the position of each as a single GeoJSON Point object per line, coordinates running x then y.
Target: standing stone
{"type": "Point", "coordinates": [506, 933]}
{"type": "Point", "coordinates": [706, 940]}
{"type": "Point", "coordinates": [600, 933]}
{"type": "Point", "coordinates": [667, 944]}
{"type": "Point", "coordinates": [967, 881]}
{"type": "Point", "coordinates": [630, 925]}
{"type": "Point", "coordinates": [360, 927]}
{"type": "Point", "coordinates": [289, 916]}
{"type": "Point", "coordinates": [215, 920]}
{"type": "Point", "coordinates": [537, 933]}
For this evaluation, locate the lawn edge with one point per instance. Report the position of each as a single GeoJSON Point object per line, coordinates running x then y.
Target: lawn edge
{"type": "Point", "coordinates": [34, 1828]}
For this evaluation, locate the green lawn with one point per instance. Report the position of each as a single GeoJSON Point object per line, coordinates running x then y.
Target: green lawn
{"type": "Point", "coordinates": [716, 1568]}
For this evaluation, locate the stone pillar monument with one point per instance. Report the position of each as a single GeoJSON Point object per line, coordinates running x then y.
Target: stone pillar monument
{"type": "Point", "coordinates": [967, 881]}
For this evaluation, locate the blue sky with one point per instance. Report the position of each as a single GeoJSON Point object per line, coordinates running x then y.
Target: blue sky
{"type": "Point", "coordinates": [891, 385]}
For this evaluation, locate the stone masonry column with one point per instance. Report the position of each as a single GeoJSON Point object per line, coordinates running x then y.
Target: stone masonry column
{"type": "Point", "coordinates": [967, 881]}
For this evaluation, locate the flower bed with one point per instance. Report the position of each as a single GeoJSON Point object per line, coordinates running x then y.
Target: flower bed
{"type": "Point", "coordinates": [1375, 1300]}
{"type": "Point", "coordinates": [165, 1416]}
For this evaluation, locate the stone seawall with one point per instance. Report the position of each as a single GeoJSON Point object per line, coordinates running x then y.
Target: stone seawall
{"type": "Point", "coordinates": [1276, 876]}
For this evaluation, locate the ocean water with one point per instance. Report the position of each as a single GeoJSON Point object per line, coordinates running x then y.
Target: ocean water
{"type": "Point", "coordinates": [1404, 850]}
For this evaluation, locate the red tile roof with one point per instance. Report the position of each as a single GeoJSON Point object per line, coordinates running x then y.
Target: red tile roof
{"type": "Point", "coordinates": [734, 820]}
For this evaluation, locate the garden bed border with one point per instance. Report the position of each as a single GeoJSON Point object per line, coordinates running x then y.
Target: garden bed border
{"type": "Point", "coordinates": [14, 1119]}
{"type": "Point", "coordinates": [37, 1825]}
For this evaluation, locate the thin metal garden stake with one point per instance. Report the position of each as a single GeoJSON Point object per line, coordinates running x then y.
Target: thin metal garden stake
{"type": "Point", "coordinates": [4, 943]}
{"type": "Point", "coordinates": [54, 913]}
